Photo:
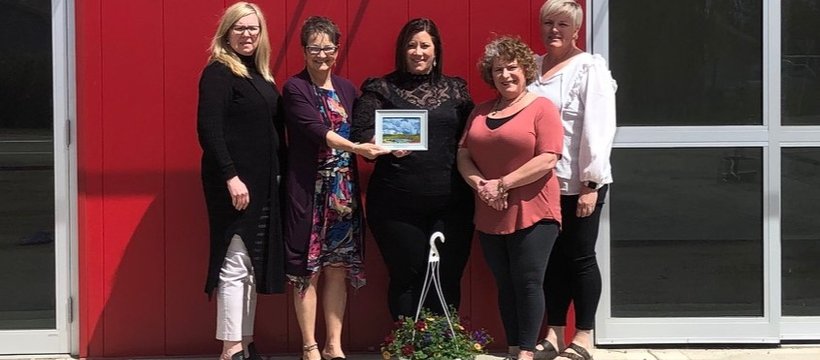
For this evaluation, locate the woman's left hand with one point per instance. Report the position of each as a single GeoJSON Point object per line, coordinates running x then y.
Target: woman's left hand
{"type": "Point", "coordinates": [586, 202]}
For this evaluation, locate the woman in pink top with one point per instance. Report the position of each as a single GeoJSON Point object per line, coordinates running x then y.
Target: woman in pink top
{"type": "Point", "coordinates": [507, 155]}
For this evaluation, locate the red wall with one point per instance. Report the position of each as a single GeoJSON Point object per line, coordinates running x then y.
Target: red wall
{"type": "Point", "coordinates": [143, 230]}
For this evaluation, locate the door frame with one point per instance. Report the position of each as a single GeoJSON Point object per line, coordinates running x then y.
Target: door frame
{"type": "Point", "coordinates": [62, 338]}
{"type": "Point", "coordinates": [677, 330]}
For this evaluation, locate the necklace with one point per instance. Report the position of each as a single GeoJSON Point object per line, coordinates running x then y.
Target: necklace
{"type": "Point", "coordinates": [496, 107]}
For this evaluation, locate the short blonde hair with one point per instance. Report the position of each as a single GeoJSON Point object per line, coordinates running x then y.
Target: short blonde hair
{"type": "Point", "coordinates": [221, 51]}
{"type": "Point", "coordinates": [563, 7]}
{"type": "Point", "coordinates": [507, 48]}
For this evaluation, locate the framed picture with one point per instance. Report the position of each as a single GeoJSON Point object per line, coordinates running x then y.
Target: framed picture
{"type": "Point", "coordinates": [401, 129]}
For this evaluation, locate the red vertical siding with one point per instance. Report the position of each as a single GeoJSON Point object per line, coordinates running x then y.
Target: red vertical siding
{"type": "Point", "coordinates": [142, 222]}
{"type": "Point", "coordinates": [187, 35]}
{"type": "Point", "coordinates": [89, 177]}
{"type": "Point", "coordinates": [133, 176]}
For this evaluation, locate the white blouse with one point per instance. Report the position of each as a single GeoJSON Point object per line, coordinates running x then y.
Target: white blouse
{"type": "Point", "coordinates": [584, 93]}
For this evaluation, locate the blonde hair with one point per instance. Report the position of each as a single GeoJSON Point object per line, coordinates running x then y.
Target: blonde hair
{"type": "Point", "coordinates": [563, 7]}
{"type": "Point", "coordinates": [222, 52]}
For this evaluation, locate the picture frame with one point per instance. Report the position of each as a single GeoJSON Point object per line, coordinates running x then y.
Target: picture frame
{"type": "Point", "coordinates": [400, 129]}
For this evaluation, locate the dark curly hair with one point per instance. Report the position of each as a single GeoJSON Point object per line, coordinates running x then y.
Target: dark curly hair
{"type": "Point", "coordinates": [507, 48]}
{"type": "Point", "coordinates": [315, 25]}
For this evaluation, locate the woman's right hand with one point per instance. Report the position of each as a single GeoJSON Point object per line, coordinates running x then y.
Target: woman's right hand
{"type": "Point", "coordinates": [370, 151]}
{"type": "Point", "coordinates": [240, 198]}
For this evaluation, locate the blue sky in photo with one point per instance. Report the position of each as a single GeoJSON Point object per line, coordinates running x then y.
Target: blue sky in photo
{"type": "Point", "coordinates": [401, 125]}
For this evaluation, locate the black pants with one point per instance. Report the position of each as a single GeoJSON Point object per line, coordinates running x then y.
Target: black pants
{"type": "Point", "coordinates": [518, 262]}
{"type": "Point", "coordinates": [573, 274]}
{"type": "Point", "coordinates": [401, 224]}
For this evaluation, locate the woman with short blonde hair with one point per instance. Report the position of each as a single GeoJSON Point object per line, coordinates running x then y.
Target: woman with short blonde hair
{"type": "Point", "coordinates": [582, 87]}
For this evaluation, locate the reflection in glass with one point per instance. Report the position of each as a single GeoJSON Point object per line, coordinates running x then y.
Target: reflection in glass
{"type": "Point", "coordinates": [26, 167]}
{"type": "Point", "coordinates": [801, 62]}
{"type": "Point", "coordinates": [687, 62]}
{"type": "Point", "coordinates": [801, 231]}
{"type": "Point", "coordinates": [687, 232]}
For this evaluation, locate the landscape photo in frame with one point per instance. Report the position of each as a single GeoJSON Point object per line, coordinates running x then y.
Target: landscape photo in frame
{"type": "Point", "coordinates": [401, 129]}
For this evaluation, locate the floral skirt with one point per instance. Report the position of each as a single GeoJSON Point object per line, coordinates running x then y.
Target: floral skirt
{"type": "Point", "coordinates": [336, 234]}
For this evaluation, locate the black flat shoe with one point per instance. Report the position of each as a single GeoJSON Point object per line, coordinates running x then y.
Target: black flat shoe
{"type": "Point", "coordinates": [252, 353]}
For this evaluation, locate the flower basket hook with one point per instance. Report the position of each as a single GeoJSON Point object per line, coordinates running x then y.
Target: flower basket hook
{"type": "Point", "coordinates": [432, 278]}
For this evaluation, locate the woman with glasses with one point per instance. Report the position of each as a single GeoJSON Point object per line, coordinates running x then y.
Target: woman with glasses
{"type": "Point", "coordinates": [324, 225]}
{"type": "Point", "coordinates": [241, 138]}
{"type": "Point", "coordinates": [413, 194]}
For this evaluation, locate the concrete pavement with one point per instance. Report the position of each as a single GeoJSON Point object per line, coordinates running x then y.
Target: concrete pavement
{"type": "Point", "coordinates": [789, 352]}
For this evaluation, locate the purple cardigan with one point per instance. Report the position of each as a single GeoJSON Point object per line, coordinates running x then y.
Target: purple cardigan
{"type": "Point", "coordinates": [306, 134]}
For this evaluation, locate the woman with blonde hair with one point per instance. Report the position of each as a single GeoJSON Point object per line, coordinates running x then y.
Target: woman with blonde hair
{"type": "Point", "coordinates": [582, 87]}
{"type": "Point", "coordinates": [241, 136]}
{"type": "Point", "coordinates": [507, 155]}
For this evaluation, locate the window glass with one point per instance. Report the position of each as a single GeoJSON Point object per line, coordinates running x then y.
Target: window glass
{"type": "Point", "coordinates": [801, 62]}
{"type": "Point", "coordinates": [800, 231]}
{"type": "Point", "coordinates": [683, 63]}
{"type": "Point", "coordinates": [27, 282]}
{"type": "Point", "coordinates": [687, 232]}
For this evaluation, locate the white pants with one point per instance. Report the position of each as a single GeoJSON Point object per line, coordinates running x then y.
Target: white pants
{"type": "Point", "coordinates": [235, 294]}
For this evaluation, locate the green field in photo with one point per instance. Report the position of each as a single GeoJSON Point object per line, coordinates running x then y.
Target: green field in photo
{"type": "Point", "coordinates": [401, 138]}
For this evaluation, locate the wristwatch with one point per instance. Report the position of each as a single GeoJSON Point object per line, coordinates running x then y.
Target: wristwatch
{"type": "Point", "coordinates": [592, 185]}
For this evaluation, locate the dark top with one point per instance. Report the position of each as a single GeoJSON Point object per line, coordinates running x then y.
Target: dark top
{"type": "Point", "coordinates": [306, 136]}
{"type": "Point", "coordinates": [431, 172]}
{"type": "Point", "coordinates": [241, 135]}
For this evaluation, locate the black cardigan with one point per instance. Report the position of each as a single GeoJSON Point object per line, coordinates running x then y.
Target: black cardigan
{"type": "Point", "coordinates": [241, 134]}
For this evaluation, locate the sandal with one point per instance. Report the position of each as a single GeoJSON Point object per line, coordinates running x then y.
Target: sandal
{"type": "Point", "coordinates": [580, 353]}
{"type": "Point", "coordinates": [309, 348]}
{"type": "Point", "coordinates": [547, 352]}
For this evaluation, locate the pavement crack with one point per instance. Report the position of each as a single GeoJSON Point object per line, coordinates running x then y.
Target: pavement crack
{"type": "Point", "coordinates": [652, 353]}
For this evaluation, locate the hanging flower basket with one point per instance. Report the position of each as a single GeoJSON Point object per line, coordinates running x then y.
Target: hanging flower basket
{"type": "Point", "coordinates": [432, 338]}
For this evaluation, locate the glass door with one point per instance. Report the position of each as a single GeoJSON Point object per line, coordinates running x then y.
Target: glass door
{"type": "Point", "coordinates": [689, 248]}
{"type": "Point", "coordinates": [35, 306]}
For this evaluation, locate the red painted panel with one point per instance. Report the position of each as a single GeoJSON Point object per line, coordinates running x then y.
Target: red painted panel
{"type": "Point", "coordinates": [132, 113]}
{"type": "Point", "coordinates": [89, 197]}
{"type": "Point", "coordinates": [189, 316]}
{"type": "Point", "coordinates": [142, 217]}
{"type": "Point", "coordinates": [373, 27]}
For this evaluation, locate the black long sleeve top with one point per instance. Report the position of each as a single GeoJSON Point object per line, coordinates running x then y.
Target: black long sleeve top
{"type": "Point", "coordinates": [431, 172]}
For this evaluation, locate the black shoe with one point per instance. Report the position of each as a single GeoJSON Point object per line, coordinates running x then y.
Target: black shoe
{"type": "Point", "coordinates": [252, 353]}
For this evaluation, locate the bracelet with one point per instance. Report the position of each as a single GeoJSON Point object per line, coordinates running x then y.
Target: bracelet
{"type": "Point", "coordinates": [502, 188]}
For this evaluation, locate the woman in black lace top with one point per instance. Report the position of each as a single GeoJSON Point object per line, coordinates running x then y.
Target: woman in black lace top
{"type": "Point", "coordinates": [413, 194]}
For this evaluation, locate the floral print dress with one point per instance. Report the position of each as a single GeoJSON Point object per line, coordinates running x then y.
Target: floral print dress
{"type": "Point", "coordinates": [336, 233]}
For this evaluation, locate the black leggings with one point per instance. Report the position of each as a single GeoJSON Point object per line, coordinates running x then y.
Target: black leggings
{"type": "Point", "coordinates": [401, 224]}
{"type": "Point", "coordinates": [573, 274]}
{"type": "Point", "coordinates": [518, 262]}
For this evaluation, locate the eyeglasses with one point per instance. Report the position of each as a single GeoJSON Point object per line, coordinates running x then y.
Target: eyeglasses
{"type": "Point", "coordinates": [315, 50]}
{"type": "Point", "coordinates": [252, 30]}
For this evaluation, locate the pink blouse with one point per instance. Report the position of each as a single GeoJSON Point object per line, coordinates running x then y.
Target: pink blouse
{"type": "Point", "coordinates": [534, 130]}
